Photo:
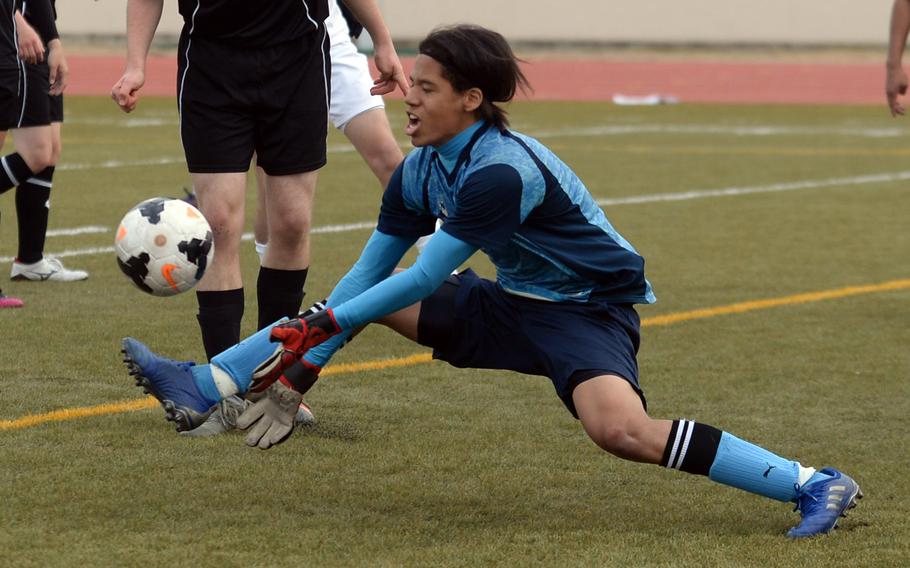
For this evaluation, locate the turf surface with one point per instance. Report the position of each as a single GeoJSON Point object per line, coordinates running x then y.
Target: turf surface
{"type": "Point", "coordinates": [423, 464]}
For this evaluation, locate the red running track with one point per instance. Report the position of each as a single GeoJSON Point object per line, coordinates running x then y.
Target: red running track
{"type": "Point", "coordinates": [593, 80]}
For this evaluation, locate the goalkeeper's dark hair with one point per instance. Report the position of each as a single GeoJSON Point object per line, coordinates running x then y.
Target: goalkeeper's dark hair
{"type": "Point", "coordinates": [472, 56]}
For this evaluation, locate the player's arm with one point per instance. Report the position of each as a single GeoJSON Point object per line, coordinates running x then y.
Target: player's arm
{"type": "Point", "coordinates": [391, 74]}
{"type": "Point", "coordinates": [288, 375]}
{"type": "Point", "coordinates": [271, 419]}
{"type": "Point", "coordinates": [59, 68]}
{"type": "Point", "coordinates": [40, 14]}
{"type": "Point", "coordinates": [379, 258]}
{"type": "Point", "coordinates": [896, 81]}
{"type": "Point", "coordinates": [488, 214]}
{"type": "Point", "coordinates": [142, 17]}
{"type": "Point", "coordinates": [443, 254]}
{"type": "Point", "coordinates": [31, 48]}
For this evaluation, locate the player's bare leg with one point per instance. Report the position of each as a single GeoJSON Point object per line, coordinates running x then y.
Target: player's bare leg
{"type": "Point", "coordinates": [221, 200]}
{"type": "Point", "coordinates": [39, 147]}
{"type": "Point", "coordinates": [220, 293]}
{"type": "Point", "coordinates": [371, 135]}
{"type": "Point", "coordinates": [613, 417]}
{"type": "Point", "coordinates": [289, 206]}
{"type": "Point", "coordinates": [403, 321]}
{"type": "Point", "coordinates": [35, 145]}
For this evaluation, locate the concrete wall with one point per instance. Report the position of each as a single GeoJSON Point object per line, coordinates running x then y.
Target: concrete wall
{"type": "Point", "coordinates": [798, 22]}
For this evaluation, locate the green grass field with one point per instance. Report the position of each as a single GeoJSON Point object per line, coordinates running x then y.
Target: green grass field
{"type": "Point", "coordinates": [424, 464]}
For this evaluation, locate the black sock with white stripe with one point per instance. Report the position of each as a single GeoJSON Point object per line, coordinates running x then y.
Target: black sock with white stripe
{"type": "Point", "coordinates": [32, 209]}
{"type": "Point", "coordinates": [13, 171]}
{"type": "Point", "coordinates": [691, 447]}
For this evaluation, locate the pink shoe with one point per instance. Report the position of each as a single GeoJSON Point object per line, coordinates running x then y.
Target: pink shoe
{"type": "Point", "coordinates": [9, 301]}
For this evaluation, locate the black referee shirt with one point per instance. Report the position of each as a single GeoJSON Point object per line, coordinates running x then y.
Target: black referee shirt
{"type": "Point", "coordinates": [257, 23]}
{"type": "Point", "coordinates": [8, 58]}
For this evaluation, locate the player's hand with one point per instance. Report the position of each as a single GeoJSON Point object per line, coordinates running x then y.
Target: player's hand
{"type": "Point", "coordinates": [59, 69]}
{"type": "Point", "coordinates": [300, 335]}
{"type": "Point", "coordinates": [271, 370]}
{"type": "Point", "coordinates": [895, 84]}
{"type": "Point", "coordinates": [270, 420]}
{"type": "Point", "coordinates": [125, 92]}
{"type": "Point", "coordinates": [391, 73]}
{"type": "Point", "coordinates": [31, 48]}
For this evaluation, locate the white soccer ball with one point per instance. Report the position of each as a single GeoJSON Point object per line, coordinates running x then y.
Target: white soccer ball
{"type": "Point", "coordinates": [163, 246]}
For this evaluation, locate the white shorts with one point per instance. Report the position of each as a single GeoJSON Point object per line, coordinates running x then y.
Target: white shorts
{"type": "Point", "coordinates": [351, 84]}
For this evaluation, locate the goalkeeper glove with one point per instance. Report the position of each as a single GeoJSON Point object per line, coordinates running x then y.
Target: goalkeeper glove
{"type": "Point", "coordinates": [272, 416]}
{"type": "Point", "coordinates": [300, 335]}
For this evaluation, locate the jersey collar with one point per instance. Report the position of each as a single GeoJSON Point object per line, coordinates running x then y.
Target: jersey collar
{"type": "Point", "coordinates": [455, 151]}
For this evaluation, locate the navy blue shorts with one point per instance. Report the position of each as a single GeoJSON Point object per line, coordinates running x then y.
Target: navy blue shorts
{"type": "Point", "coordinates": [471, 322]}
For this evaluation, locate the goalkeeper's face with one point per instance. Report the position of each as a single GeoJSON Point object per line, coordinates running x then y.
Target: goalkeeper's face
{"type": "Point", "coordinates": [436, 111]}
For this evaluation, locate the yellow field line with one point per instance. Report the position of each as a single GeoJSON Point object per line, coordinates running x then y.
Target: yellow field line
{"type": "Point", "coordinates": [73, 413]}
{"type": "Point", "coordinates": [776, 302]}
{"type": "Point", "coordinates": [150, 402]}
{"type": "Point", "coordinates": [420, 358]}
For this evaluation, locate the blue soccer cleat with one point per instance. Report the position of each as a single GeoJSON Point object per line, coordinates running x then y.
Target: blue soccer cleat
{"type": "Point", "coordinates": [170, 381]}
{"type": "Point", "coordinates": [823, 503]}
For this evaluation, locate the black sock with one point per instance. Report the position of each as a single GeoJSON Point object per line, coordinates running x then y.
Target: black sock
{"type": "Point", "coordinates": [280, 294]}
{"type": "Point", "coordinates": [32, 209]}
{"type": "Point", "coordinates": [691, 447]}
{"type": "Point", "coordinates": [13, 171]}
{"type": "Point", "coordinates": [220, 314]}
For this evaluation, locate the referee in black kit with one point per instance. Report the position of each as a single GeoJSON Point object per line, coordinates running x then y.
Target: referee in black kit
{"type": "Point", "coordinates": [252, 77]}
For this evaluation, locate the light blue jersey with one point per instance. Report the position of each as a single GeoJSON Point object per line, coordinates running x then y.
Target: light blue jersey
{"type": "Point", "coordinates": [513, 198]}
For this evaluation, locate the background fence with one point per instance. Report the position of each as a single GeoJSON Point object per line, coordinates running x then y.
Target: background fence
{"type": "Point", "coordinates": [778, 22]}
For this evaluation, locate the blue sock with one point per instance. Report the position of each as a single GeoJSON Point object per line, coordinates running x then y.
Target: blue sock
{"type": "Point", "coordinates": [241, 360]}
{"type": "Point", "coordinates": [205, 384]}
{"type": "Point", "coordinates": [746, 466]}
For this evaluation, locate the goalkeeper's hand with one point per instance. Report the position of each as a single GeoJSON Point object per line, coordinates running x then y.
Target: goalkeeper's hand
{"type": "Point", "coordinates": [272, 416]}
{"type": "Point", "coordinates": [271, 370]}
{"type": "Point", "coordinates": [300, 335]}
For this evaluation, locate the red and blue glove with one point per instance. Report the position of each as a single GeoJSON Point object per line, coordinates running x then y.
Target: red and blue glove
{"type": "Point", "coordinates": [301, 335]}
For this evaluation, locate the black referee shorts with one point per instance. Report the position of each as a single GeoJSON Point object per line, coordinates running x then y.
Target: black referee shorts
{"type": "Point", "coordinates": [236, 100]}
{"type": "Point", "coordinates": [36, 103]}
{"type": "Point", "coordinates": [10, 83]}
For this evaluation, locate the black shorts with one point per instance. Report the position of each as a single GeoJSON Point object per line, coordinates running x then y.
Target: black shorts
{"type": "Point", "coordinates": [56, 107]}
{"type": "Point", "coordinates": [10, 103]}
{"type": "Point", "coordinates": [36, 103]}
{"type": "Point", "coordinates": [237, 100]}
{"type": "Point", "coordinates": [473, 323]}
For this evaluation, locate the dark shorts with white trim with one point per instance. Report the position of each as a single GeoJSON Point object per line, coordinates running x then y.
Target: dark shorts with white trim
{"type": "Point", "coordinates": [36, 109]}
{"type": "Point", "coordinates": [471, 322]}
{"type": "Point", "coordinates": [234, 100]}
{"type": "Point", "coordinates": [10, 103]}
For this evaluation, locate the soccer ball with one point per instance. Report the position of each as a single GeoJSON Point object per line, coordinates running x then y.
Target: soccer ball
{"type": "Point", "coordinates": [163, 246]}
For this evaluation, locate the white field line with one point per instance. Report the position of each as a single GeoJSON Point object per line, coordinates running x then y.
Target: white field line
{"type": "Point", "coordinates": [164, 161]}
{"type": "Point", "coordinates": [348, 227]}
{"type": "Point", "coordinates": [633, 200]}
{"type": "Point", "coordinates": [603, 130]}
{"type": "Point", "coordinates": [78, 231]}
{"type": "Point", "coordinates": [745, 190]}
{"type": "Point", "coordinates": [742, 130]}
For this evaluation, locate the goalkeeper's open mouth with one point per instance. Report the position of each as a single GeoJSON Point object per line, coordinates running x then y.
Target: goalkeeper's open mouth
{"type": "Point", "coordinates": [412, 125]}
